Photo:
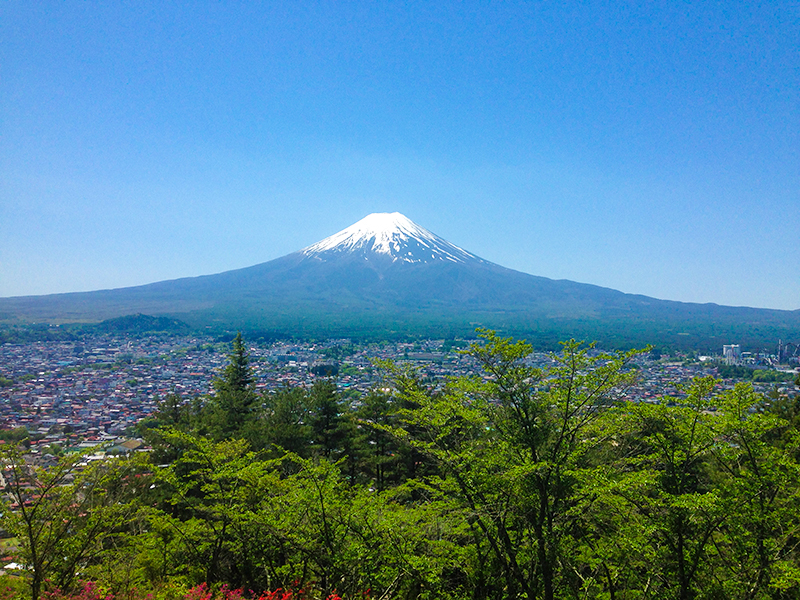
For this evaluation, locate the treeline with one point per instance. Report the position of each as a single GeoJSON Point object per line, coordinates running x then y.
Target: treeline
{"type": "Point", "coordinates": [756, 375]}
{"type": "Point", "coordinates": [523, 483]}
{"type": "Point", "coordinates": [22, 334]}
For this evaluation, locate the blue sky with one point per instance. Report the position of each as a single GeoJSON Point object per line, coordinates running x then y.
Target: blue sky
{"type": "Point", "coordinates": [650, 148]}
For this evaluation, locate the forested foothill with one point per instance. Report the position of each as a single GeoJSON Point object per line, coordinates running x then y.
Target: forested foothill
{"type": "Point", "coordinates": [522, 481]}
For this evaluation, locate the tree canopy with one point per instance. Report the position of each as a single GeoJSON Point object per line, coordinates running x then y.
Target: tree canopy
{"type": "Point", "coordinates": [520, 481]}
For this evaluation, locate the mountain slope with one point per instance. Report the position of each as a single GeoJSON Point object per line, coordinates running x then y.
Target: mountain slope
{"type": "Point", "coordinates": [386, 275]}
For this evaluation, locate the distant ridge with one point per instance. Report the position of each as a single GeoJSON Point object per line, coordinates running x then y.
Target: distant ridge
{"type": "Point", "coordinates": [385, 276]}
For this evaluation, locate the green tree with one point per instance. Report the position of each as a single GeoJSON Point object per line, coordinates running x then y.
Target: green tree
{"type": "Point", "coordinates": [234, 517]}
{"type": "Point", "coordinates": [331, 429]}
{"type": "Point", "coordinates": [513, 444]}
{"type": "Point", "coordinates": [208, 495]}
{"type": "Point", "coordinates": [14, 435]}
{"type": "Point", "coordinates": [232, 411]}
{"type": "Point", "coordinates": [665, 479]}
{"type": "Point", "coordinates": [237, 376]}
{"type": "Point", "coordinates": [62, 516]}
{"type": "Point", "coordinates": [375, 447]}
{"type": "Point", "coordinates": [760, 490]}
{"type": "Point", "coordinates": [286, 422]}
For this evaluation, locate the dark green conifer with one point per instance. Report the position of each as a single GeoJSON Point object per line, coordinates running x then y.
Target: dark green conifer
{"type": "Point", "coordinates": [237, 376]}
{"type": "Point", "coordinates": [233, 408]}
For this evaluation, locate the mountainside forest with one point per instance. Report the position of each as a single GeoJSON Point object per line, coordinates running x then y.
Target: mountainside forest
{"type": "Point", "coordinates": [517, 482]}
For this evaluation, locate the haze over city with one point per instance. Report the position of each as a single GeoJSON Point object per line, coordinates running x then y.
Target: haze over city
{"type": "Point", "coordinates": [650, 150]}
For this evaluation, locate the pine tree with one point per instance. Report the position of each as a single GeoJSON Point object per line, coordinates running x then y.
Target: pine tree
{"type": "Point", "coordinates": [233, 408]}
{"type": "Point", "coordinates": [237, 376]}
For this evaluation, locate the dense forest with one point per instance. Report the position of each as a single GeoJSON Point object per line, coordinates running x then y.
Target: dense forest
{"type": "Point", "coordinates": [517, 482]}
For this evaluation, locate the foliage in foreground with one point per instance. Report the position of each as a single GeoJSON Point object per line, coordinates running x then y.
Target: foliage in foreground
{"type": "Point", "coordinates": [523, 482]}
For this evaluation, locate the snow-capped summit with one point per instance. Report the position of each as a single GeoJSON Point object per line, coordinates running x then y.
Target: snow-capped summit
{"type": "Point", "coordinates": [392, 235]}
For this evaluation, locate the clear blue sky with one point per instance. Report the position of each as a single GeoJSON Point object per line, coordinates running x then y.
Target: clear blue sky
{"type": "Point", "coordinates": [651, 149]}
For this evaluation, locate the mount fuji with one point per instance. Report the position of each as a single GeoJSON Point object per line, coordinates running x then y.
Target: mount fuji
{"type": "Point", "coordinates": [392, 236]}
{"type": "Point", "coordinates": [385, 276]}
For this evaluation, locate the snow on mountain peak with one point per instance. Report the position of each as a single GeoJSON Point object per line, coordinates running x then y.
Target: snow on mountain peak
{"type": "Point", "coordinates": [393, 235]}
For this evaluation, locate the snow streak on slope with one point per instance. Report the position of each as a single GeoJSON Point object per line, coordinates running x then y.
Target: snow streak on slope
{"type": "Point", "coordinates": [392, 235]}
